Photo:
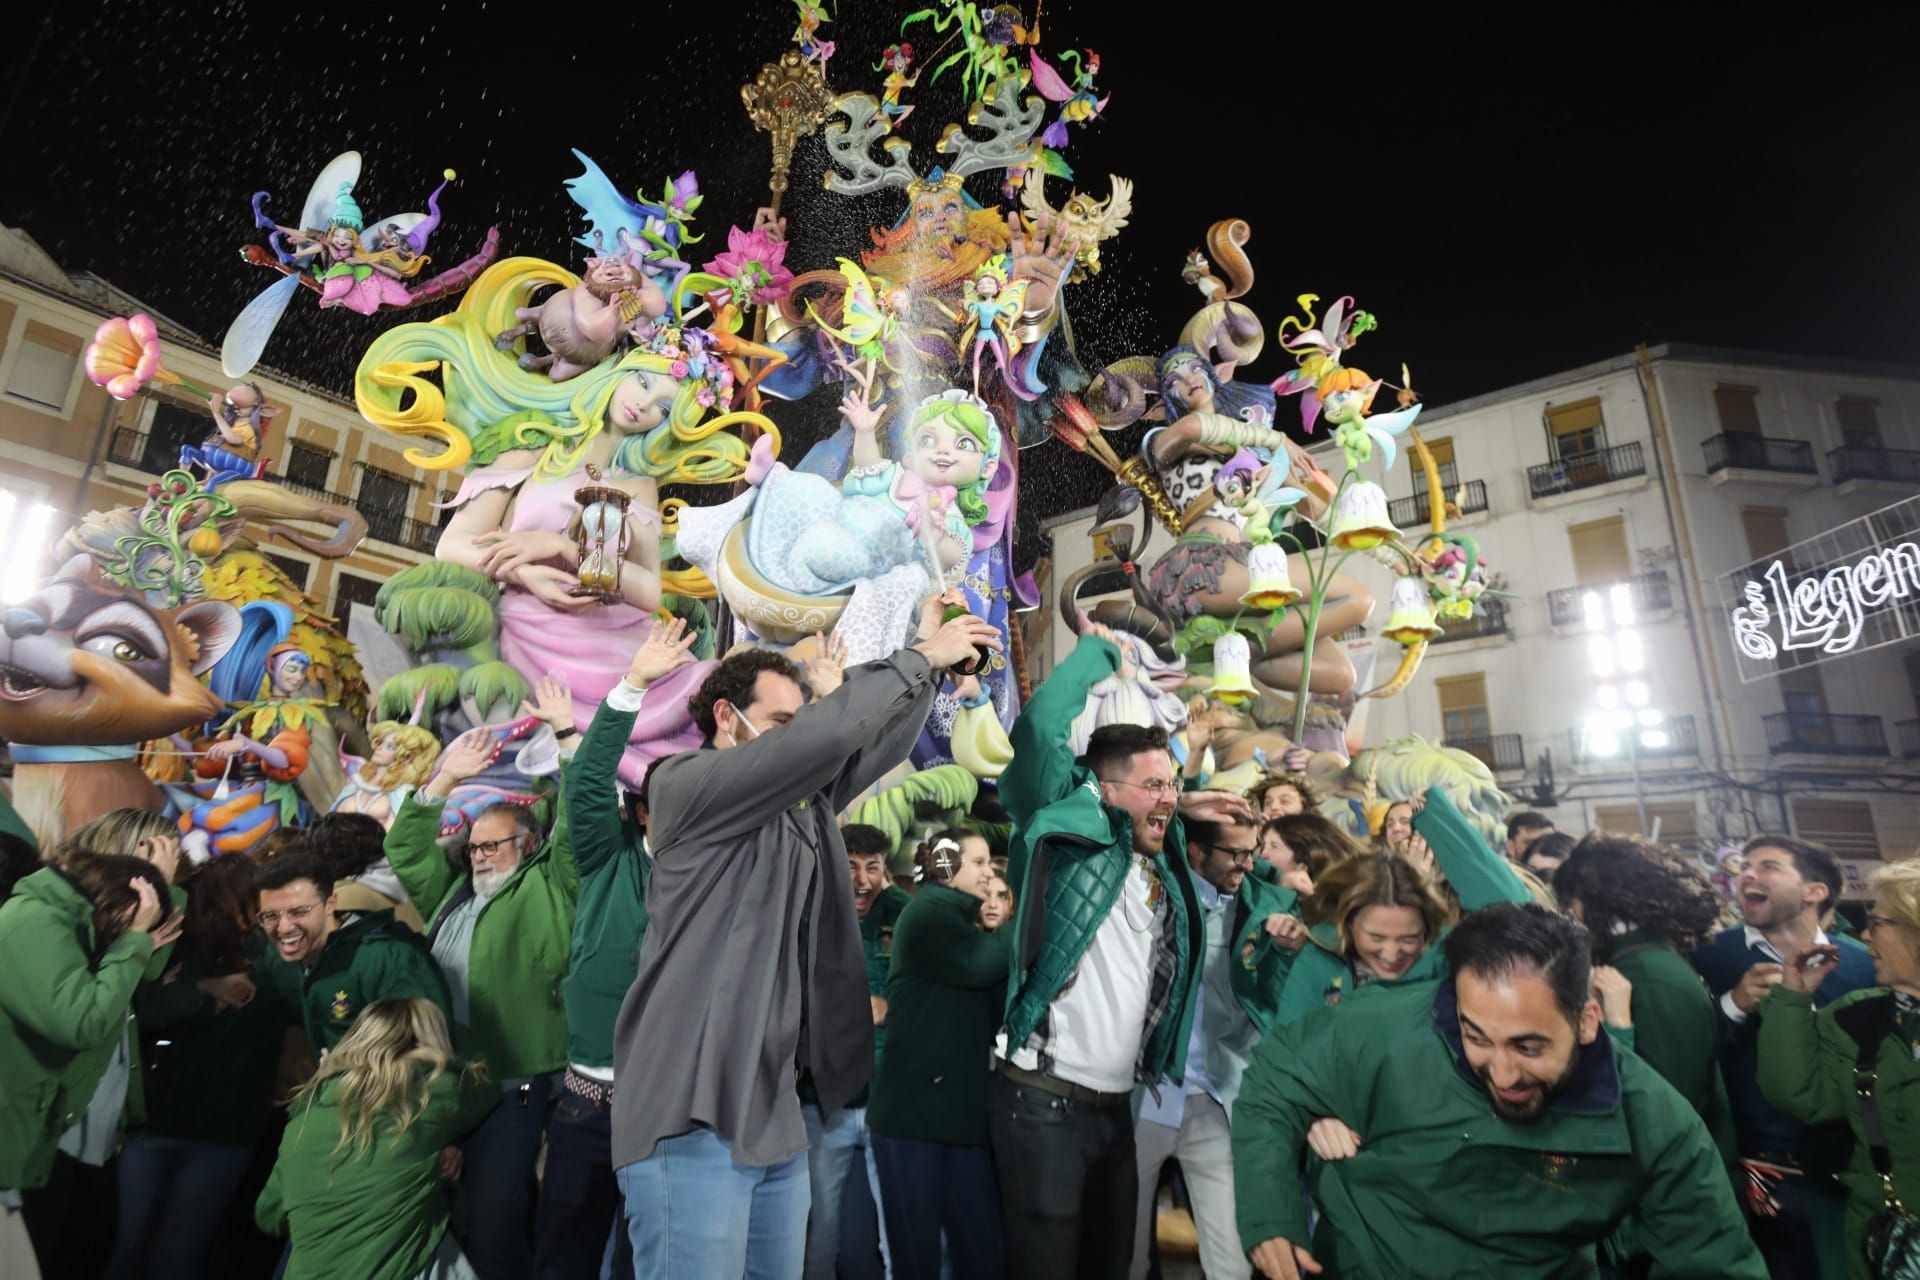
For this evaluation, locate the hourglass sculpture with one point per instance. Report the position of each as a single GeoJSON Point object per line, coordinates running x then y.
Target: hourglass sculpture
{"type": "Point", "coordinates": [602, 539]}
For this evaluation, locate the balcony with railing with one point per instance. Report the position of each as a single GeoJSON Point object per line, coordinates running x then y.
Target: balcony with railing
{"type": "Point", "coordinates": [1858, 462]}
{"type": "Point", "coordinates": [1818, 733]}
{"type": "Point", "coordinates": [1489, 619]}
{"type": "Point", "coordinates": [1500, 752]}
{"type": "Point", "coordinates": [1747, 451]}
{"type": "Point", "coordinates": [1586, 470]}
{"type": "Point", "coordinates": [1674, 736]}
{"type": "Point", "coordinates": [1410, 513]}
{"type": "Point", "coordinates": [1909, 734]}
{"type": "Point", "coordinates": [1650, 593]}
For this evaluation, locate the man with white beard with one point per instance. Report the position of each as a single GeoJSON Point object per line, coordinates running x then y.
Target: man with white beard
{"type": "Point", "coordinates": [502, 935]}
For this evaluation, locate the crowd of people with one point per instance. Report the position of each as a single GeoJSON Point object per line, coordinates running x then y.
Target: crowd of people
{"type": "Point", "coordinates": [706, 1029]}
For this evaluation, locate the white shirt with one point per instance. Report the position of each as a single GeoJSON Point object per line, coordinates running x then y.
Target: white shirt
{"type": "Point", "coordinates": [1100, 1016]}
{"type": "Point", "coordinates": [1757, 941]}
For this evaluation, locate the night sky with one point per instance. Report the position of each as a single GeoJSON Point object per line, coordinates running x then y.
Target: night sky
{"type": "Point", "coordinates": [1512, 193]}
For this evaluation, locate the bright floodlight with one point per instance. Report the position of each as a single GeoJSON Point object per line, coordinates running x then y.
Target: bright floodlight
{"type": "Point", "coordinates": [23, 532]}
{"type": "Point", "coordinates": [1651, 718]}
{"type": "Point", "coordinates": [1600, 655]}
{"type": "Point", "coordinates": [1592, 606]}
{"type": "Point", "coordinates": [1653, 739]}
{"type": "Point", "coordinates": [1637, 693]}
{"type": "Point", "coordinates": [1622, 604]}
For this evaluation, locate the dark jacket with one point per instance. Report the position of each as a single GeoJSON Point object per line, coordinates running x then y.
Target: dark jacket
{"type": "Point", "coordinates": [941, 1016]}
{"type": "Point", "coordinates": [1676, 1029]}
{"type": "Point", "coordinates": [1443, 1188]}
{"type": "Point", "coordinates": [369, 958]}
{"type": "Point", "coordinates": [1761, 1128]}
{"type": "Point", "coordinates": [752, 966]}
{"type": "Point", "coordinates": [210, 1072]}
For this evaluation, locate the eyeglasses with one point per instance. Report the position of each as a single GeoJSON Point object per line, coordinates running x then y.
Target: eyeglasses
{"type": "Point", "coordinates": [1158, 788]}
{"type": "Point", "coordinates": [268, 919]}
{"type": "Point", "coordinates": [487, 848]}
{"type": "Point", "coordinates": [1882, 922]}
{"type": "Point", "coordinates": [1241, 857]}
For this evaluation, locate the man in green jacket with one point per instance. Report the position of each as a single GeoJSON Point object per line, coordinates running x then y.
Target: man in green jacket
{"type": "Point", "coordinates": [579, 1197]}
{"type": "Point", "coordinates": [1107, 946]}
{"type": "Point", "coordinates": [328, 969]}
{"type": "Point", "coordinates": [502, 935]}
{"type": "Point", "coordinates": [1477, 1125]}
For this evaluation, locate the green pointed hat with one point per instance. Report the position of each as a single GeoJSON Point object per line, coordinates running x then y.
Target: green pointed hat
{"type": "Point", "coordinates": [346, 213]}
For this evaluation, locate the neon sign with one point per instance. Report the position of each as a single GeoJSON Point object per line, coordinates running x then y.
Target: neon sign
{"type": "Point", "coordinates": [1853, 588]}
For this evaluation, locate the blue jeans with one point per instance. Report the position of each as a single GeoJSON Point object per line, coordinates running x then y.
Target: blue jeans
{"type": "Point", "coordinates": [695, 1213]}
{"type": "Point", "coordinates": [496, 1172]}
{"type": "Point", "coordinates": [579, 1213]}
{"type": "Point", "coordinates": [929, 1187]}
{"type": "Point", "coordinates": [173, 1193]}
{"type": "Point", "coordinates": [845, 1228]}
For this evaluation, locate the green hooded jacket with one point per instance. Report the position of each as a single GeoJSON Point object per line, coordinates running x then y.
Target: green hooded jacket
{"type": "Point", "coordinates": [379, 1215]}
{"type": "Point", "coordinates": [610, 856]}
{"type": "Point", "coordinates": [1322, 975]}
{"type": "Point", "coordinates": [522, 940]}
{"type": "Point", "coordinates": [1445, 1189]}
{"type": "Point", "coordinates": [60, 1015]}
{"type": "Point", "coordinates": [1068, 858]}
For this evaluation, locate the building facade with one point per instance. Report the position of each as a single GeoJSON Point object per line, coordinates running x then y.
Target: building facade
{"type": "Point", "coordinates": [69, 448]}
{"type": "Point", "coordinates": [1601, 682]}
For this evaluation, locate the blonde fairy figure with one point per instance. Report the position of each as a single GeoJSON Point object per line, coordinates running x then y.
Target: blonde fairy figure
{"type": "Point", "coordinates": [635, 422]}
{"type": "Point", "coordinates": [993, 304]}
{"type": "Point", "coordinates": [403, 758]}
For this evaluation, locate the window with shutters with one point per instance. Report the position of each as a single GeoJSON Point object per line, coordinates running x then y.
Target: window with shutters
{"type": "Point", "coordinates": [46, 366]}
{"type": "Point", "coordinates": [1738, 408]}
{"type": "Point", "coordinates": [383, 500]}
{"type": "Point", "coordinates": [1577, 429]}
{"type": "Point", "coordinates": [1600, 552]}
{"type": "Point", "coordinates": [1859, 419]}
{"type": "Point", "coordinates": [1766, 530]}
{"type": "Point", "coordinates": [352, 592]}
{"type": "Point", "coordinates": [1674, 819]}
{"type": "Point", "coordinates": [1844, 826]}
{"type": "Point", "coordinates": [1463, 708]}
{"type": "Point", "coordinates": [307, 466]}
{"type": "Point", "coordinates": [299, 570]}
{"type": "Point", "coordinates": [174, 428]}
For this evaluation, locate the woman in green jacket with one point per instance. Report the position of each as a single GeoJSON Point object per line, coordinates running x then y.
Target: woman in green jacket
{"type": "Point", "coordinates": [74, 942]}
{"type": "Point", "coordinates": [1808, 1056]}
{"type": "Point", "coordinates": [1646, 909]}
{"type": "Point", "coordinates": [928, 1110]}
{"type": "Point", "coordinates": [357, 1184]}
{"type": "Point", "coordinates": [212, 1043]}
{"type": "Point", "coordinates": [1377, 919]}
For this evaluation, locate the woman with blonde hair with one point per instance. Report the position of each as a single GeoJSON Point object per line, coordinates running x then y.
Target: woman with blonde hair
{"type": "Point", "coordinates": [358, 1181]}
{"type": "Point", "coordinates": [1377, 918]}
{"type": "Point", "coordinates": [1813, 1062]}
{"type": "Point", "coordinates": [130, 833]}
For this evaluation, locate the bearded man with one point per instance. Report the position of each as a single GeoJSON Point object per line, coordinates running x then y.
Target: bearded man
{"type": "Point", "coordinates": [1477, 1125]}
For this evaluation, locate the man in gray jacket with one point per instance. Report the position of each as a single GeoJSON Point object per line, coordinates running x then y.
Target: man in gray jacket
{"type": "Point", "coordinates": [752, 976]}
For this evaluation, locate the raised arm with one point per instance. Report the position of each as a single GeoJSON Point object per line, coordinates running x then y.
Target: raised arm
{"type": "Point", "coordinates": [81, 1007]}
{"type": "Point", "coordinates": [1479, 875]}
{"type": "Point", "coordinates": [413, 851]}
{"type": "Point", "coordinates": [1042, 772]}
{"type": "Point", "coordinates": [1806, 1061]}
{"type": "Point", "coordinates": [591, 795]}
{"type": "Point", "coordinates": [944, 944]}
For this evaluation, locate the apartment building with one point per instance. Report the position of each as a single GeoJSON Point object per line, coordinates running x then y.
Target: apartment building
{"type": "Point", "coordinates": [1603, 683]}
{"type": "Point", "coordinates": [69, 448]}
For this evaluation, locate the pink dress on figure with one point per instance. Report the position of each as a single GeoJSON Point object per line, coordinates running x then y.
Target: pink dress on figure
{"type": "Point", "coordinates": [591, 650]}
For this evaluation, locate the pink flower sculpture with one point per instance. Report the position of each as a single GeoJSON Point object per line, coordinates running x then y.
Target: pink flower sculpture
{"type": "Point", "coordinates": [754, 265]}
{"type": "Point", "coordinates": [125, 355]}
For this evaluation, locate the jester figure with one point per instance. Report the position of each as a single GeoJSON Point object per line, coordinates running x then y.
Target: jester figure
{"type": "Point", "coordinates": [232, 452]}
